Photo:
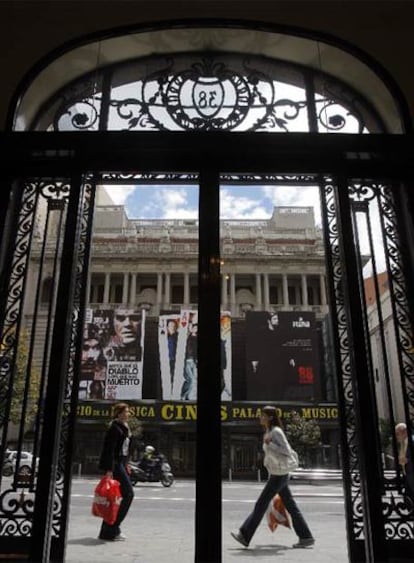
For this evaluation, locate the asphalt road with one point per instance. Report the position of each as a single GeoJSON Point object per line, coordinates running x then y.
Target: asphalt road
{"type": "Point", "coordinates": [160, 526]}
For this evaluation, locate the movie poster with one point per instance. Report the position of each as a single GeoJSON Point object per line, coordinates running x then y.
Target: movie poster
{"type": "Point", "coordinates": [112, 354]}
{"type": "Point", "coordinates": [168, 328]}
{"type": "Point", "coordinates": [282, 356]}
{"type": "Point", "coordinates": [186, 373]}
{"type": "Point", "coordinates": [225, 355]}
{"type": "Point", "coordinates": [178, 345]}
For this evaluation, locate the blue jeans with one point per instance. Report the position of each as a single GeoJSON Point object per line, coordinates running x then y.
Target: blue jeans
{"type": "Point", "coordinates": [109, 531]}
{"type": "Point", "coordinates": [190, 377]}
{"type": "Point", "coordinates": [275, 484]}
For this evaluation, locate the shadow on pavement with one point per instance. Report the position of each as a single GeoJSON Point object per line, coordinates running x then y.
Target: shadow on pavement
{"type": "Point", "coordinates": [259, 550]}
{"type": "Point", "coordinates": [85, 541]}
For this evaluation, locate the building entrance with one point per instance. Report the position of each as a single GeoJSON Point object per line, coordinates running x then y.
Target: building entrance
{"type": "Point", "coordinates": [52, 199]}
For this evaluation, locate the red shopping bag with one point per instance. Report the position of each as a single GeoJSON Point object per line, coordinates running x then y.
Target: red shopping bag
{"type": "Point", "coordinates": [107, 499]}
{"type": "Point", "coordinates": [277, 514]}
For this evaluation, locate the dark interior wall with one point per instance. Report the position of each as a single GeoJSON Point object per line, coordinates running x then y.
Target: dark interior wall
{"type": "Point", "coordinates": [30, 29]}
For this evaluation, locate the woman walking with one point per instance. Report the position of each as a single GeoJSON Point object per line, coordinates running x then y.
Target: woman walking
{"type": "Point", "coordinates": [278, 454]}
{"type": "Point", "coordinates": [113, 461]}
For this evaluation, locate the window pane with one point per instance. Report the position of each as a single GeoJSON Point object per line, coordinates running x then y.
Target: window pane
{"type": "Point", "coordinates": [274, 292]}
{"type": "Point", "coordinates": [140, 347]}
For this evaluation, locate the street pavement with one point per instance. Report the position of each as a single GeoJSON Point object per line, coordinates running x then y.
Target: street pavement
{"type": "Point", "coordinates": [160, 525]}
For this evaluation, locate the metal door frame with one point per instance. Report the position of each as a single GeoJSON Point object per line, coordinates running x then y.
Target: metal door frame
{"type": "Point", "coordinates": [72, 155]}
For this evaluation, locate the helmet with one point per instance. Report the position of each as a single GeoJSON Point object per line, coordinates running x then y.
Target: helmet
{"type": "Point", "coordinates": [149, 449]}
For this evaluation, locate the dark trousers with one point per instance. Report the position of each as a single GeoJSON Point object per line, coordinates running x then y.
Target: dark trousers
{"type": "Point", "coordinates": [109, 531]}
{"type": "Point", "coordinates": [275, 484]}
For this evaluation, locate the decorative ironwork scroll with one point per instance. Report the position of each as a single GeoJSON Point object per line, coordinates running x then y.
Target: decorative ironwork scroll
{"type": "Point", "coordinates": [71, 390]}
{"type": "Point", "coordinates": [209, 92]}
{"type": "Point", "coordinates": [25, 347]}
{"type": "Point", "coordinates": [379, 248]}
{"type": "Point", "coordinates": [345, 388]}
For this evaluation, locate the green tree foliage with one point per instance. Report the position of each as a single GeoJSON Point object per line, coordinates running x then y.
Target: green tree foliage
{"type": "Point", "coordinates": [19, 384]}
{"type": "Point", "coordinates": [302, 434]}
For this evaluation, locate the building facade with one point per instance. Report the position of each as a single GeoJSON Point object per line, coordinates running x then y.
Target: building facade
{"type": "Point", "coordinates": [203, 103]}
{"type": "Point", "coordinates": [271, 265]}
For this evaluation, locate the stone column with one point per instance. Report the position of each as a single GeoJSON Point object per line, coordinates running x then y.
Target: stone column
{"type": "Point", "coordinates": [133, 290]}
{"type": "Point", "coordinates": [224, 297]}
{"type": "Point", "coordinates": [233, 293]}
{"type": "Point", "coordinates": [285, 289]}
{"type": "Point", "coordinates": [125, 289]}
{"type": "Point", "coordinates": [304, 291]}
{"type": "Point", "coordinates": [258, 292]}
{"type": "Point", "coordinates": [107, 287]}
{"type": "Point", "coordinates": [186, 289]}
{"type": "Point", "coordinates": [266, 292]}
{"type": "Point", "coordinates": [323, 289]}
{"type": "Point", "coordinates": [159, 289]}
{"type": "Point", "coordinates": [167, 296]}
{"type": "Point", "coordinates": [88, 289]}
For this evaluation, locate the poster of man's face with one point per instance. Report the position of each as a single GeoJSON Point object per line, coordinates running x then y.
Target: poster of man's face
{"type": "Point", "coordinates": [111, 363]}
{"type": "Point", "coordinates": [282, 356]}
{"type": "Point", "coordinates": [126, 338]}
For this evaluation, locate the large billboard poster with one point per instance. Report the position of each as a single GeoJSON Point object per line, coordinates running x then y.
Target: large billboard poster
{"type": "Point", "coordinates": [282, 356]}
{"type": "Point", "coordinates": [168, 329]}
{"type": "Point", "coordinates": [225, 355]}
{"type": "Point", "coordinates": [112, 354]}
{"type": "Point", "coordinates": [178, 341]}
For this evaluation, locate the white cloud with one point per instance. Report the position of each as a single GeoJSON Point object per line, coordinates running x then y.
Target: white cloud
{"type": "Point", "coordinates": [235, 206]}
{"type": "Point", "coordinates": [172, 203]}
{"type": "Point", "coordinates": [119, 194]}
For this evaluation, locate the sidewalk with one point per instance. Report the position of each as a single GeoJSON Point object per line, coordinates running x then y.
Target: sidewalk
{"type": "Point", "coordinates": [172, 539]}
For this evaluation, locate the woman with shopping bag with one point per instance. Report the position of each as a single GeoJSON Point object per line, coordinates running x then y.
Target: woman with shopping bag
{"type": "Point", "coordinates": [113, 461]}
{"type": "Point", "coordinates": [279, 460]}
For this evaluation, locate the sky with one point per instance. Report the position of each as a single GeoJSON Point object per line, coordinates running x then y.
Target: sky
{"type": "Point", "coordinates": [241, 202]}
{"type": "Point", "coordinates": [181, 202]}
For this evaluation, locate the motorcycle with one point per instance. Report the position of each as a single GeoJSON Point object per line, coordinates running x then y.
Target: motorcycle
{"type": "Point", "coordinates": [159, 470]}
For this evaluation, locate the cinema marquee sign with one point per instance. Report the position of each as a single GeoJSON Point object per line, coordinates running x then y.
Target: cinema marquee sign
{"type": "Point", "coordinates": [157, 411]}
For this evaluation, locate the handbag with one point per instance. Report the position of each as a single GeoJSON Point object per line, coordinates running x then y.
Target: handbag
{"type": "Point", "coordinates": [277, 464]}
{"type": "Point", "coordinates": [277, 515]}
{"type": "Point", "coordinates": [107, 499]}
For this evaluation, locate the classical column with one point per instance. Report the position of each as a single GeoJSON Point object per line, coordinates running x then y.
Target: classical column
{"type": "Point", "coordinates": [266, 292]}
{"type": "Point", "coordinates": [159, 289]}
{"type": "Point", "coordinates": [224, 291]}
{"type": "Point", "coordinates": [167, 296]}
{"type": "Point", "coordinates": [304, 291]}
{"type": "Point", "coordinates": [186, 289]}
{"type": "Point", "coordinates": [133, 290]}
{"type": "Point", "coordinates": [125, 289]}
{"type": "Point", "coordinates": [285, 289]}
{"type": "Point", "coordinates": [107, 286]}
{"type": "Point", "coordinates": [258, 292]}
{"type": "Point", "coordinates": [233, 293]}
{"type": "Point", "coordinates": [323, 289]}
{"type": "Point", "coordinates": [88, 289]}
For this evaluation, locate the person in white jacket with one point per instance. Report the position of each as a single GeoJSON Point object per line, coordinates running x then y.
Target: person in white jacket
{"type": "Point", "coordinates": [278, 459]}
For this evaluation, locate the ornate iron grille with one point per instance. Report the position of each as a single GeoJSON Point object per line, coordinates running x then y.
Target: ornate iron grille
{"type": "Point", "coordinates": [209, 92]}
{"type": "Point", "coordinates": [42, 212]}
{"type": "Point", "coordinates": [25, 358]}
{"type": "Point", "coordinates": [378, 247]}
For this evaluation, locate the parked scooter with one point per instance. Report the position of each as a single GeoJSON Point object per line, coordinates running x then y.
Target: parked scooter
{"type": "Point", "coordinates": [152, 468]}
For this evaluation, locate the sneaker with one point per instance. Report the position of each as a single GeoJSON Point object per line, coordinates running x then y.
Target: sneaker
{"type": "Point", "coordinates": [120, 537]}
{"type": "Point", "coordinates": [304, 542]}
{"type": "Point", "coordinates": [238, 536]}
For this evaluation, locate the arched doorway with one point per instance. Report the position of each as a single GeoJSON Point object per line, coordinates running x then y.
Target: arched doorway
{"type": "Point", "coordinates": [230, 94]}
